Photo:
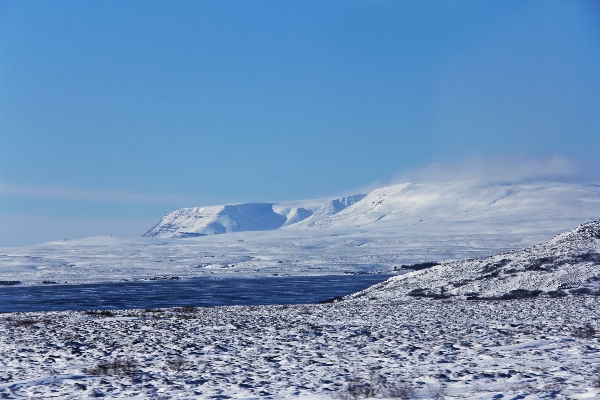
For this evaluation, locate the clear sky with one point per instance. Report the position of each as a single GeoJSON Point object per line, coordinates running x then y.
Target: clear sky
{"type": "Point", "coordinates": [113, 113]}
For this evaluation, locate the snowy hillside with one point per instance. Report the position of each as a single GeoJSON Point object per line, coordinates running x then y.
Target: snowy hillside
{"type": "Point", "coordinates": [568, 263]}
{"type": "Point", "coordinates": [485, 206]}
{"type": "Point", "coordinates": [421, 349]}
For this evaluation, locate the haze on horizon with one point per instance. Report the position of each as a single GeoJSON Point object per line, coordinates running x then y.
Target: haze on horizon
{"type": "Point", "coordinates": [115, 113]}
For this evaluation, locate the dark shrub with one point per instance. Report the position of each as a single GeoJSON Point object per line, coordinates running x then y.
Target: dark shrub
{"type": "Point", "coordinates": [494, 266]}
{"type": "Point", "coordinates": [114, 367]}
{"type": "Point", "coordinates": [585, 332]}
{"type": "Point", "coordinates": [187, 309]}
{"type": "Point", "coordinates": [101, 313]}
{"type": "Point", "coordinates": [176, 363]}
{"type": "Point", "coordinates": [420, 266]}
{"type": "Point", "coordinates": [541, 264]}
{"type": "Point", "coordinates": [556, 293]}
{"type": "Point", "coordinates": [24, 323]}
{"type": "Point", "coordinates": [443, 294]}
{"type": "Point", "coordinates": [376, 386]}
{"type": "Point", "coordinates": [580, 291]}
{"type": "Point", "coordinates": [462, 283]}
{"type": "Point", "coordinates": [520, 294]}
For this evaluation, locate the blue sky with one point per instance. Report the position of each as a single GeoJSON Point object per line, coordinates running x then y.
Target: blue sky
{"type": "Point", "coordinates": [114, 113]}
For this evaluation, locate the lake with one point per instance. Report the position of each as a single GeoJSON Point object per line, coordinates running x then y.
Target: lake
{"type": "Point", "coordinates": [200, 292]}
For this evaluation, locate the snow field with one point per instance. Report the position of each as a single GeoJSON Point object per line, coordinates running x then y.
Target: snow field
{"type": "Point", "coordinates": [453, 348]}
{"type": "Point", "coordinates": [106, 259]}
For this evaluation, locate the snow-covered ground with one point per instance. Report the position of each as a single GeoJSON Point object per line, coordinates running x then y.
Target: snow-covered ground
{"type": "Point", "coordinates": [452, 348]}
{"type": "Point", "coordinates": [390, 227]}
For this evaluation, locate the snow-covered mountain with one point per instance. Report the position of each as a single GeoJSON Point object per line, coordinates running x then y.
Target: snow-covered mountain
{"type": "Point", "coordinates": [482, 206]}
{"type": "Point", "coordinates": [568, 263]}
{"type": "Point", "coordinates": [327, 210]}
{"type": "Point", "coordinates": [202, 221]}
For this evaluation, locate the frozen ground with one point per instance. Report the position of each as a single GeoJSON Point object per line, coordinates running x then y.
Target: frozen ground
{"type": "Point", "coordinates": [389, 227]}
{"type": "Point", "coordinates": [452, 348]}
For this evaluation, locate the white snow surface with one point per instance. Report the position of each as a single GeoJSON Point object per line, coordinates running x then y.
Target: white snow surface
{"type": "Point", "coordinates": [380, 232]}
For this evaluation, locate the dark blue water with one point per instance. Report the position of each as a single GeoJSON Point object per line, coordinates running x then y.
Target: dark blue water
{"type": "Point", "coordinates": [201, 292]}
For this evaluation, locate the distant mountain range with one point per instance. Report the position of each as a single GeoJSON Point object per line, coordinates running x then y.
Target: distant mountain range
{"type": "Point", "coordinates": [486, 207]}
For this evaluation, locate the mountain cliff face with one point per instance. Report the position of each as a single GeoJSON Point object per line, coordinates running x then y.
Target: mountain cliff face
{"type": "Point", "coordinates": [201, 221]}
{"type": "Point", "coordinates": [321, 217]}
{"type": "Point", "coordinates": [567, 264]}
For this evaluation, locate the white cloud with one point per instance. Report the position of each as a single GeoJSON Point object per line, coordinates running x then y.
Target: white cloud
{"type": "Point", "coordinates": [551, 168]}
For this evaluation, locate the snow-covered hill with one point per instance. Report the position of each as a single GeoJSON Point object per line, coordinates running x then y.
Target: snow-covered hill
{"type": "Point", "coordinates": [480, 206]}
{"type": "Point", "coordinates": [567, 263]}
{"type": "Point", "coordinates": [487, 206]}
